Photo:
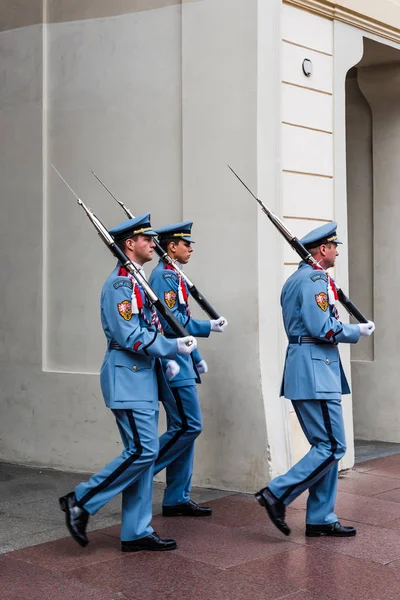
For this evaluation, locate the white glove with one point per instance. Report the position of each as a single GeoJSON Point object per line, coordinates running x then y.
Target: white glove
{"type": "Point", "coordinates": [182, 344]}
{"type": "Point", "coordinates": [218, 325]}
{"type": "Point", "coordinates": [366, 329]}
{"type": "Point", "coordinates": [202, 367]}
{"type": "Point", "coordinates": [172, 369]}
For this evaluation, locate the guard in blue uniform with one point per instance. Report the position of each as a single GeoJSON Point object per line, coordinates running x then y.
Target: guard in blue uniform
{"type": "Point", "coordinates": [131, 380]}
{"type": "Point", "coordinates": [314, 380]}
{"type": "Point", "coordinates": [184, 421]}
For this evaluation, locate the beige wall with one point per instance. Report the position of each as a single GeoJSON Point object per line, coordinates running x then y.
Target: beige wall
{"type": "Point", "coordinates": [114, 106]}
{"type": "Point", "coordinates": [22, 13]}
{"type": "Point", "coordinates": [76, 10]}
{"type": "Point", "coordinates": [385, 11]}
{"type": "Point", "coordinates": [307, 141]}
{"type": "Point", "coordinates": [141, 99]}
{"type": "Point", "coordinates": [376, 17]}
{"type": "Point", "coordinates": [314, 148]}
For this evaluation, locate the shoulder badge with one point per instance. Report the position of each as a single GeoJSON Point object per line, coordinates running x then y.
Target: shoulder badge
{"type": "Point", "coordinates": [123, 283]}
{"type": "Point", "coordinates": [322, 301]}
{"type": "Point", "coordinates": [168, 274]}
{"type": "Point", "coordinates": [170, 298]}
{"type": "Point", "coordinates": [318, 277]}
{"type": "Point", "coordinates": [125, 310]}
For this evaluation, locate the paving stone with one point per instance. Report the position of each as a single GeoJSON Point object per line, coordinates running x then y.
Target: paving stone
{"type": "Point", "coordinates": [371, 449]}
{"type": "Point", "coordinates": [392, 495]}
{"type": "Point", "coordinates": [365, 484]}
{"type": "Point", "coordinates": [65, 554]}
{"type": "Point", "coordinates": [171, 576]}
{"type": "Point", "coordinates": [21, 581]}
{"type": "Point", "coordinates": [377, 463]}
{"type": "Point", "coordinates": [29, 505]}
{"type": "Point", "coordinates": [362, 509]}
{"type": "Point", "coordinates": [375, 544]}
{"type": "Point", "coordinates": [330, 574]}
{"type": "Point", "coordinates": [387, 471]}
{"type": "Point", "coordinates": [235, 554]}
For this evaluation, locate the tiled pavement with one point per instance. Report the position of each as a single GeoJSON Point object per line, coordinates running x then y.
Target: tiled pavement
{"type": "Point", "coordinates": [234, 555]}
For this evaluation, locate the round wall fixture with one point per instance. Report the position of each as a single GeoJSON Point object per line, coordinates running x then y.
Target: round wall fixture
{"type": "Point", "coordinates": [307, 67]}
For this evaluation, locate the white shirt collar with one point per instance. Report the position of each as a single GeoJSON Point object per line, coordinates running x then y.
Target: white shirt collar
{"type": "Point", "coordinates": [141, 269]}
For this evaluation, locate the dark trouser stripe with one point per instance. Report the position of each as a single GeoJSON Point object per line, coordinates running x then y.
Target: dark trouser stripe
{"type": "Point", "coordinates": [181, 431]}
{"type": "Point", "coordinates": [327, 462]}
{"type": "Point", "coordinates": [328, 425]}
{"type": "Point", "coordinates": [122, 467]}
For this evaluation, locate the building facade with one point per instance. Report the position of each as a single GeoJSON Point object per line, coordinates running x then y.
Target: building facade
{"type": "Point", "coordinates": [157, 97]}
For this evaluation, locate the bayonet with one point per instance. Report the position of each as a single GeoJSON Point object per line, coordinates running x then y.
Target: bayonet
{"type": "Point", "coordinates": [303, 252]}
{"type": "Point", "coordinates": [203, 303]}
{"type": "Point", "coordinates": [129, 265]}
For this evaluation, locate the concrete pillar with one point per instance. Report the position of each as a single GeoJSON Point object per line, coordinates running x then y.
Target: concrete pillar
{"type": "Point", "coordinates": [360, 211]}
{"type": "Point", "coordinates": [230, 104]}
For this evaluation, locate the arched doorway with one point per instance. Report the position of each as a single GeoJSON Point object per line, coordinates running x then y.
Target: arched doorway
{"type": "Point", "coordinates": [373, 207]}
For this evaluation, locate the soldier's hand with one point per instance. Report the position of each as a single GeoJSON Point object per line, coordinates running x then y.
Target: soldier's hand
{"type": "Point", "coordinates": [172, 369]}
{"type": "Point", "coordinates": [218, 325]}
{"type": "Point", "coordinates": [202, 367]}
{"type": "Point", "coordinates": [187, 344]}
{"type": "Point", "coordinates": [366, 329]}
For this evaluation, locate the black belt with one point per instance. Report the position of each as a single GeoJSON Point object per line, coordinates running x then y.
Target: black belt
{"type": "Point", "coordinates": [306, 339]}
{"type": "Point", "coordinates": [116, 346]}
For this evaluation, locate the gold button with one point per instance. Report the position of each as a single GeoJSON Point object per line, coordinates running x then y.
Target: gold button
{"type": "Point", "coordinates": [134, 367]}
{"type": "Point", "coordinates": [327, 361]}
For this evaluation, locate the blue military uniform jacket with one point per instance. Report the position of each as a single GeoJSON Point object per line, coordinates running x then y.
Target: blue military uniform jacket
{"type": "Point", "coordinates": [165, 283]}
{"type": "Point", "coordinates": [313, 371]}
{"type": "Point", "coordinates": [133, 377]}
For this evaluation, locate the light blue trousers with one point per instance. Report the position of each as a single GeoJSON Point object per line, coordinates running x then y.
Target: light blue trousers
{"type": "Point", "coordinates": [184, 424]}
{"type": "Point", "coordinates": [131, 474]}
{"type": "Point", "coordinates": [322, 424]}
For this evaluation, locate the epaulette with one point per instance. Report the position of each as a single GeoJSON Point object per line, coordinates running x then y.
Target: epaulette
{"type": "Point", "coordinates": [125, 282]}
{"type": "Point", "coordinates": [318, 276]}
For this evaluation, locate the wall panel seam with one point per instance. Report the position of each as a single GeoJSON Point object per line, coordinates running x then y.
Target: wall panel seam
{"type": "Point", "coordinates": [306, 47]}
{"type": "Point", "coordinates": [308, 219]}
{"type": "Point", "coordinates": [306, 127]}
{"type": "Point", "coordinates": [306, 87]}
{"type": "Point", "coordinates": [308, 174]}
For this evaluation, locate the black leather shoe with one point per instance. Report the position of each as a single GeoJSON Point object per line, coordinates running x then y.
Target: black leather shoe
{"type": "Point", "coordinates": [275, 509]}
{"type": "Point", "coordinates": [187, 509]}
{"type": "Point", "coordinates": [150, 542]}
{"type": "Point", "coordinates": [76, 518]}
{"type": "Point", "coordinates": [333, 530]}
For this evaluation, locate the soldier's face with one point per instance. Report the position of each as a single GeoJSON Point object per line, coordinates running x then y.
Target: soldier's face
{"type": "Point", "coordinates": [330, 255]}
{"type": "Point", "coordinates": [142, 248]}
{"type": "Point", "coordinates": [181, 251]}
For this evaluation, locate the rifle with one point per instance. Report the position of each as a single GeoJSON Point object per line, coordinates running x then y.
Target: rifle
{"type": "Point", "coordinates": [303, 253]}
{"type": "Point", "coordinates": [129, 266]}
{"type": "Point", "coordinates": [203, 303]}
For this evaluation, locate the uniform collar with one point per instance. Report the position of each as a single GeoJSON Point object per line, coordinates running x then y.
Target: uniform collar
{"type": "Point", "coordinates": [140, 267]}
{"type": "Point", "coordinates": [303, 264]}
